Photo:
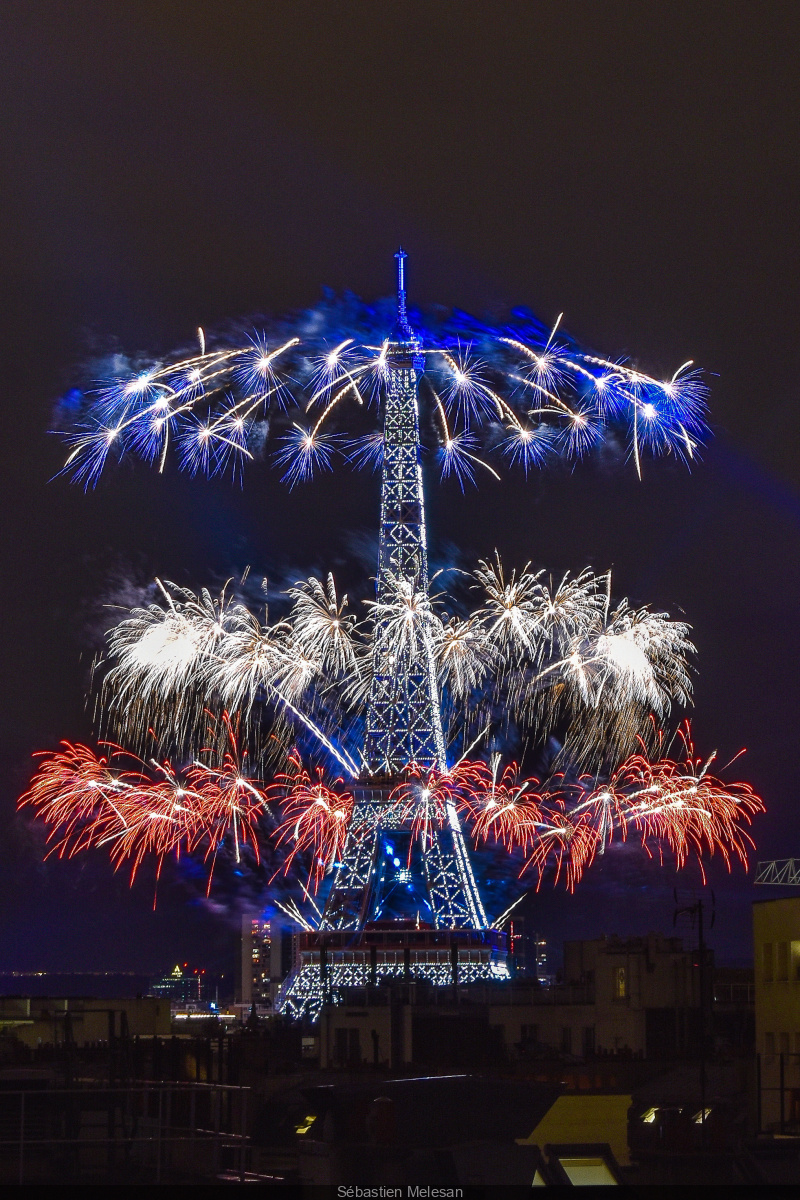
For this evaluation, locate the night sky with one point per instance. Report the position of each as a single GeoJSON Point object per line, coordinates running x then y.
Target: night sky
{"type": "Point", "coordinates": [168, 165]}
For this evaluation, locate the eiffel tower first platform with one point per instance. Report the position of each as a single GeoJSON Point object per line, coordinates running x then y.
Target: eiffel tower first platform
{"type": "Point", "coordinates": [398, 907]}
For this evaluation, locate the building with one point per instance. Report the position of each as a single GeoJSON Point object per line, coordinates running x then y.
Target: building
{"type": "Point", "coordinates": [181, 985]}
{"type": "Point", "coordinates": [734, 1011]}
{"type": "Point", "coordinates": [527, 950]}
{"type": "Point", "coordinates": [81, 1021]}
{"type": "Point", "coordinates": [622, 998]}
{"type": "Point", "coordinates": [647, 993]}
{"type": "Point", "coordinates": [776, 938]}
{"type": "Point", "coordinates": [267, 954]}
{"type": "Point", "coordinates": [409, 1134]}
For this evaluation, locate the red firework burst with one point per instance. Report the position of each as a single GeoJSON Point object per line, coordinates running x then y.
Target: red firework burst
{"type": "Point", "coordinates": [517, 814]}
{"type": "Point", "coordinates": [424, 795]}
{"type": "Point", "coordinates": [316, 818]}
{"type": "Point", "coordinates": [81, 798]}
{"type": "Point", "coordinates": [230, 804]}
{"type": "Point", "coordinates": [676, 806]}
{"type": "Point", "coordinates": [138, 809]}
{"type": "Point", "coordinates": [506, 810]}
{"type": "Point", "coordinates": [571, 843]}
{"type": "Point", "coordinates": [680, 805]}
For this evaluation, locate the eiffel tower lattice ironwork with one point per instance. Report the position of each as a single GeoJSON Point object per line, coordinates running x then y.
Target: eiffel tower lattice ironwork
{"type": "Point", "coordinates": [403, 724]}
{"type": "Point", "coordinates": [403, 719]}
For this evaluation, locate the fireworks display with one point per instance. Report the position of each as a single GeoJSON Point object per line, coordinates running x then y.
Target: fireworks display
{"type": "Point", "coordinates": [514, 659]}
{"type": "Point", "coordinates": [307, 396]}
{"type": "Point", "coordinates": [137, 808]}
{"type": "Point", "coordinates": [529, 656]}
{"type": "Point", "coordinates": [538, 656]}
{"type": "Point", "coordinates": [675, 806]}
{"type": "Point", "coordinates": [316, 818]}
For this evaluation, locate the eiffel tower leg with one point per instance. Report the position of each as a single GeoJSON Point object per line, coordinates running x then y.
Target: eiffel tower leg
{"type": "Point", "coordinates": [452, 889]}
{"type": "Point", "coordinates": [468, 883]}
{"type": "Point", "coordinates": [347, 906]}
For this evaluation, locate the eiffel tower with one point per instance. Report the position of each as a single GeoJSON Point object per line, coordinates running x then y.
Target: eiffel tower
{"type": "Point", "coordinates": [398, 906]}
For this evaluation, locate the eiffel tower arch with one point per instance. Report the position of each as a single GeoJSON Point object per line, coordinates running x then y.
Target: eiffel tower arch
{"type": "Point", "coordinates": [398, 905]}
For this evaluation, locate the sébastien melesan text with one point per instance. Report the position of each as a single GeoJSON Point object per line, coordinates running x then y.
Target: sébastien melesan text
{"type": "Point", "coordinates": [347, 1192]}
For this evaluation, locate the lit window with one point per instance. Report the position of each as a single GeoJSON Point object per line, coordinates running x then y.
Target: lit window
{"type": "Point", "coordinates": [702, 1115]}
{"type": "Point", "coordinates": [620, 983]}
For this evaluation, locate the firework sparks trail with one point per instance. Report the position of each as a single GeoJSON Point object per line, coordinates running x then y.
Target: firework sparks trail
{"type": "Point", "coordinates": [507, 811]}
{"type": "Point", "coordinates": [464, 657]}
{"type": "Point", "coordinates": [425, 795]}
{"type": "Point", "coordinates": [168, 659]}
{"type": "Point", "coordinates": [570, 844]}
{"type": "Point", "coordinates": [138, 809]}
{"type": "Point", "coordinates": [548, 652]}
{"type": "Point", "coordinates": [673, 805]}
{"type": "Point", "coordinates": [681, 805]}
{"type": "Point", "coordinates": [316, 818]}
{"type": "Point", "coordinates": [521, 814]}
{"type": "Point", "coordinates": [521, 394]}
{"type": "Point", "coordinates": [74, 787]}
{"type": "Point", "coordinates": [324, 630]}
{"type": "Point", "coordinates": [232, 804]}
{"type": "Point", "coordinates": [622, 670]}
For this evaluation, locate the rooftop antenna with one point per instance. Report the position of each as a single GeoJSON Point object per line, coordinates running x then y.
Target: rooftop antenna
{"type": "Point", "coordinates": [696, 910]}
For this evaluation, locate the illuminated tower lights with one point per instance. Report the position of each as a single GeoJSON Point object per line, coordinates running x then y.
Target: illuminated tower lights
{"type": "Point", "coordinates": [403, 726]}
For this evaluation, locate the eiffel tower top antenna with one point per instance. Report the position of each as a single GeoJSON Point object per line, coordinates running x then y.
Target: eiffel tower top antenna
{"type": "Point", "coordinates": [403, 330]}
